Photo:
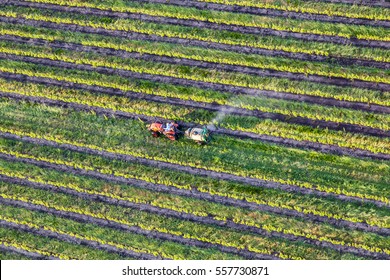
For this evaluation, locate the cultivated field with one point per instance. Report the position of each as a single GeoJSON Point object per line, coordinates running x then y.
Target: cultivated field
{"type": "Point", "coordinates": [296, 93]}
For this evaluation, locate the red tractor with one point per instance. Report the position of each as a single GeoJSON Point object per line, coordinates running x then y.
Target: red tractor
{"type": "Point", "coordinates": [170, 130]}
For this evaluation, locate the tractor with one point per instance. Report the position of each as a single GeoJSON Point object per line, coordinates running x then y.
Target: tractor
{"type": "Point", "coordinates": [170, 129]}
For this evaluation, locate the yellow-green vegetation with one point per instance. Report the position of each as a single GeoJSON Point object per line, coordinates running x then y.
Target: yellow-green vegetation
{"type": "Point", "coordinates": [298, 109]}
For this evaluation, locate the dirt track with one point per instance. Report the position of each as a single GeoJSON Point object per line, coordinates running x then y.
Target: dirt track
{"type": "Point", "coordinates": [31, 255]}
{"type": "Point", "coordinates": [380, 3]}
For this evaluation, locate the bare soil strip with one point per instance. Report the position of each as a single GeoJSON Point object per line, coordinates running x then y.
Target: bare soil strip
{"type": "Point", "coordinates": [210, 25]}
{"type": "Point", "coordinates": [133, 229]}
{"type": "Point", "coordinates": [195, 219]}
{"type": "Point", "coordinates": [32, 255]}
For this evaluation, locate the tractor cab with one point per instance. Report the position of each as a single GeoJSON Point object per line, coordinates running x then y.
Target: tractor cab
{"type": "Point", "coordinates": [199, 135]}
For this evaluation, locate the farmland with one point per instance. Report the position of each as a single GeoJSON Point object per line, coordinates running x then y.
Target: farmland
{"type": "Point", "coordinates": [296, 95]}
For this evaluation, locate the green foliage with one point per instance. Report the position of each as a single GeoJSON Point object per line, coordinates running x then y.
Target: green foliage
{"type": "Point", "coordinates": [313, 7]}
{"type": "Point", "coordinates": [275, 164]}
{"type": "Point", "coordinates": [307, 204]}
{"type": "Point", "coordinates": [207, 75]}
{"type": "Point", "coordinates": [125, 104]}
{"type": "Point", "coordinates": [5, 255]}
{"type": "Point", "coordinates": [51, 247]}
{"type": "Point", "coordinates": [249, 124]}
{"type": "Point", "coordinates": [147, 221]}
{"type": "Point", "coordinates": [208, 35]}
{"type": "Point", "coordinates": [276, 23]}
{"type": "Point", "coordinates": [306, 169]}
{"type": "Point", "coordinates": [107, 236]}
{"type": "Point", "coordinates": [266, 221]}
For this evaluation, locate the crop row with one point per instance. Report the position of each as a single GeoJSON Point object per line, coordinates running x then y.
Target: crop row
{"type": "Point", "coordinates": [373, 187]}
{"type": "Point", "coordinates": [267, 173]}
{"type": "Point", "coordinates": [255, 159]}
{"type": "Point", "coordinates": [288, 203]}
{"type": "Point", "coordinates": [205, 72]}
{"type": "Point", "coordinates": [217, 130]}
{"type": "Point", "coordinates": [375, 252]}
{"type": "Point", "coordinates": [107, 236]}
{"type": "Point", "coordinates": [258, 219]}
{"type": "Point", "coordinates": [236, 19]}
{"type": "Point", "coordinates": [117, 225]}
{"type": "Point", "coordinates": [290, 47]}
{"type": "Point", "coordinates": [272, 12]}
{"type": "Point", "coordinates": [207, 233]}
{"type": "Point", "coordinates": [313, 7]}
{"type": "Point", "coordinates": [50, 247]}
{"type": "Point", "coordinates": [179, 72]}
{"type": "Point", "coordinates": [378, 144]}
{"type": "Point", "coordinates": [159, 31]}
{"type": "Point", "coordinates": [195, 73]}
{"type": "Point", "coordinates": [125, 104]}
{"type": "Point", "coordinates": [344, 93]}
{"type": "Point", "coordinates": [149, 115]}
{"type": "Point", "coordinates": [262, 126]}
{"type": "Point", "coordinates": [27, 249]}
{"type": "Point", "coordinates": [72, 238]}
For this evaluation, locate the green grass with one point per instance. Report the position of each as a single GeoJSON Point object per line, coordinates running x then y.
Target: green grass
{"type": "Point", "coordinates": [213, 234]}
{"type": "Point", "coordinates": [307, 169]}
{"type": "Point", "coordinates": [70, 138]}
{"type": "Point", "coordinates": [276, 23]}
